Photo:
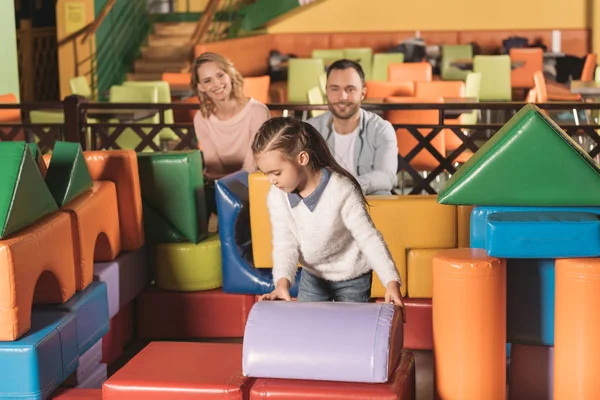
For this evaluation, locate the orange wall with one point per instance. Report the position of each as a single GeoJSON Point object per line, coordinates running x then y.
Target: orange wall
{"type": "Point", "coordinates": [439, 15]}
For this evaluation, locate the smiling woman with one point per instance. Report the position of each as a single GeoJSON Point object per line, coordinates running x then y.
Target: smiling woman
{"type": "Point", "coordinates": [227, 121]}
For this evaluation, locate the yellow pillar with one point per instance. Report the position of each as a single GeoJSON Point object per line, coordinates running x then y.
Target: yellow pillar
{"type": "Point", "coordinates": [73, 56]}
{"type": "Point", "coordinates": [595, 8]}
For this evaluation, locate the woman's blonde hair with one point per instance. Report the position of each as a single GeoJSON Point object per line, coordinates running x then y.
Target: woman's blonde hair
{"type": "Point", "coordinates": [207, 107]}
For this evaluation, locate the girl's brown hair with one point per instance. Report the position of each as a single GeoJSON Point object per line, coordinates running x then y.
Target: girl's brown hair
{"type": "Point", "coordinates": [207, 107]}
{"type": "Point", "coordinates": [291, 136]}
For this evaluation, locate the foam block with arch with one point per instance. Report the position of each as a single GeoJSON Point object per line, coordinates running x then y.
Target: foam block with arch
{"type": "Point", "coordinates": [68, 175]}
{"type": "Point", "coordinates": [239, 274]}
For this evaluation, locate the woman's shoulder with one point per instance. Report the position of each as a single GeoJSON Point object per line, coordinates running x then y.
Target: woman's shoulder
{"type": "Point", "coordinates": [256, 107]}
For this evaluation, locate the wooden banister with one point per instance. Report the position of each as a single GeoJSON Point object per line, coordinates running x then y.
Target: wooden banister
{"type": "Point", "coordinates": [98, 20]}
{"type": "Point", "coordinates": [204, 21]}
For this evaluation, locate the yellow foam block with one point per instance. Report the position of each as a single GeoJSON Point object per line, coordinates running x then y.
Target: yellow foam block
{"type": "Point", "coordinates": [463, 222]}
{"type": "Point", "coordinates": [186, 266]}
{"type": "Point", "coordinates": [420, 272]}
{"type": "Point", "coordinates": [260, 224]}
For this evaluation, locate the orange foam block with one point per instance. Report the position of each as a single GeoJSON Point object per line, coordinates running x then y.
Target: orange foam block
{"type": "Point", "coordinates": [41, 254]}
{"type": "Point", "coordinates": [577, 329]}
{"type": "Point", "coordinates": [469, 324]}
{"type": "Point", "coordinates": [121, 168]}
{"type": "Point", "coordinates": [95, 220]}
{"type": "Point", "coordinates": [175, 370]}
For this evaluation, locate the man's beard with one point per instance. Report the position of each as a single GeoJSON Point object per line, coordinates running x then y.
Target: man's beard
{"type": "Point", "coordinates": [351, 110]}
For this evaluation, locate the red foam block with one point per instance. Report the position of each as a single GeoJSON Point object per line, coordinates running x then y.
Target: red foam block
{"type": "Point", "coordinates": [77, 394]}
{"type": "Point", "coordinates": [418, 328]}
{"type": "Point", "coordinates": [400, 386]}
{"type": "Point", "coordinates": [181, 370]}
{"type": "Point", "coordinates": [190, 315]}
{"type": "Point", "coordinates": [119, 334]}
{"type": "Point", "coordinates": [531, 372]}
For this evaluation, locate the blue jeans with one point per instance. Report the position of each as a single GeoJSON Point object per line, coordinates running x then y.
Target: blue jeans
{"type": "Point", "coordinates": [313, 288]}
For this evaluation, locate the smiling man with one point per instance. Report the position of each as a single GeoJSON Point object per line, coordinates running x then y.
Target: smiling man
{"type": "Point", "coordinates": [362, 142]}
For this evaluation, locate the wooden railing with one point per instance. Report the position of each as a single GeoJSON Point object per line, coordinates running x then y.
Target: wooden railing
{"type": "Point", "coordinates": [102, 134]}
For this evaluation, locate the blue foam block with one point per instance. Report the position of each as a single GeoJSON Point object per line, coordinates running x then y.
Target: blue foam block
{"type": "Point", "coordinates": [530, 301]}
{"type": "Point", "coordinates": [36, 364]}
{"type": "Point", "coordinates": [480, 214]}
{"type": "Point", "coordinates": [239, 275]}
{"type": "Point", "coordinates": [547, 234]}
{"type": "Point", "coordinates": [90, 307]}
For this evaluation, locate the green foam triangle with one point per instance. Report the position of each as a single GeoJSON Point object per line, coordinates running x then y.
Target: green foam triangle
{"type": "Point", "coordinates": [68, 175]}
{"type": "Point", "coordinates": [157, 229]}
{"type": "Point", "coordinates": [24, 197]}
{"type": "Point", "coordinates": [530, 161]}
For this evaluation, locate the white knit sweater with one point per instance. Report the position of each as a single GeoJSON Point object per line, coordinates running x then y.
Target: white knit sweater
{"type": "Point", "coordinates": [336, 241]}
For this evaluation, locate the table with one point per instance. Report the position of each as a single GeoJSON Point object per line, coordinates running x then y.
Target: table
{"type": "Point", "coordinates": [586, 89]}
{"type": "Point", "coordinates": [467, 64]}
{"type": "Point", "coordinates": [122, 115]}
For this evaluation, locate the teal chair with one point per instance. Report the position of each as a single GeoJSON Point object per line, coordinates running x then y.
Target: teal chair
{"type": "Point", "coordinates": [328, 55]}
{"type": "Point", "coordinates": [451, 53]}
{"type": "Point", "coordinates": [164, 97]}
{"type": "Point", "coordinates": [303, 75]}
{"type": "Point", "coordinates": [381, 62]}
{"type": "Point", "coordinates": [365, 59]}
{"type": "Point", "coordinates": [495, 77]}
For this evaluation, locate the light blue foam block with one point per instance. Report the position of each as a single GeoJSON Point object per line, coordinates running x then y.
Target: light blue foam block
{"type": "Point", "coordinates": [35, 365]}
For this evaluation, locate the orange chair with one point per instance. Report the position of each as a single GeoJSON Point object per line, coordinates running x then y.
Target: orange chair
{"type": "Point", "coordinates": [522, 77]}
{"type": "Point", "coordinates": [589, 67]}
{"type": "Point", "coordinates": [418, 72]}
{"type": "Point", "coordinates": [10, 115]}
{"type": "Point", "coordinates": [381, 90]}
{"type": "Point", "coordinates": [436, 89]}
{"type": "Point", "coordinates": [177, 78]}
{"type": "Point", "coordinates": [258, 88]}
{"type": "Point", "coordinates": [556, 92]}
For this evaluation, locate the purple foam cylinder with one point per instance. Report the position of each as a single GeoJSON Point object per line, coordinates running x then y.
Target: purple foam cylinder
{"type": "Point", "coordinates": [531, 372]}
{"type": "Point", "coordinates": [346, 342]}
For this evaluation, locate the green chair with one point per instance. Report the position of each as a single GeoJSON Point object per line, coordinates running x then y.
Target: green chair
{"type": "Point", "coordinates": [303, 75]}
{"type": "Point", "coordinates": [164, 97]}
{"type": "Point", "coordinates": [451, 53]}
{"type": "Point", "coordinates": [128, 139]}
{"type": "Point", "coordinates": [315, 97]}
{"type": "Point", "coordinates": [495, 77]}
{"type": "Point", "coordinates": [328, 55]}
{"type": "Point", "coordinates": [381, 62]}
{"type": "Point", "coordinates": [365, 59]}
{"type": "Point", "coordinates": [472, 88]}
{"type": "Point", "coordinates": [80, 87]}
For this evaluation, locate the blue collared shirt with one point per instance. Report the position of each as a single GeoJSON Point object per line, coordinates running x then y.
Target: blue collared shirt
{"type": "Point", "coordinates": [311, 200]}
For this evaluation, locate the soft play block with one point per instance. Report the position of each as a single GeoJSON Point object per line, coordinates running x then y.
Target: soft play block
{"type": "Point", "coordinates": [239, 273]}
{"type": "Point", "coordinates": [418, 329]}
{"type": "Point", "coordinates": [371, 332]}
{"type": "Point", "coordinates": [95, 379]}
{"type": "Point", "coordinates": [34, 366]}
{"type": "Point", "coordinates": [35, 263]}
{"type": "Point", "coordinates": [531, 372]}
{"type": "Point", "coordinates": [404, 222]}
{"type": "Point", "coordinates": [169, 370]}
{"type": "Point", "coordinates": [36, 153]}
{"type": "Point", "coordinates": [463, 221]}
{"type": "Point", "coordinates": [420, 272]}
{"type": "Point", "coordinates": [530, 161]}
{"type": "Point", "coordinates": [91, 310]}
{"type": "Point", "coordinates": [401, 386]}
{"type": "Point", "coordinates": [24, 196]}
{"type": "Point", "coordinates": [77, 394]}
{"type": "Point", "coordinates": [125, 278]}
{"type": "Point", "coordinates": [530, 301]}
{"type": "Point", "coordinates": [480, 215]}
{"type": "Point", "coordinates": [188, 266]}
{"type": "Point", "coordinates": [119, 334]}
{"type": "Point", "coordinates": [173, 191]}
{"type": "Point", "coordinates": [87, 364]}
{"type": "Point", "coordinates": [68, 175]}
{"type": "Point", "coordinates": [188, 315]}
{"type": "Point", "coordinates": [549, 234]}
{"type": "Point", "coordinates": [95, 218]}
{"type": "Point", "coordinates": [121, 168]}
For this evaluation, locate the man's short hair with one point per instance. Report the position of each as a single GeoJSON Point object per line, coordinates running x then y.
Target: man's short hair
{"type": "Point", "coordinates": [345, 64]}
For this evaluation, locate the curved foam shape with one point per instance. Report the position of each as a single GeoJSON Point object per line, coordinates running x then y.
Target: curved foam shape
{"type": "Point", "coordinates": [36, 153]}
{"type": "Point", "coordinates": [95, 217]}
{"type": "Point", "coordinates": [347, 342]}
{"type": "Point", "coordinates": [67, 176]}
{"type": "Point", "coordinates": [172, 188]}
{"type": "Point", "coordinates": [121, 167]}
{"type": "Point", "coordinates": [239, 274]}
{"type": "Point", "coordinates": [24, 196]}
{"type": "Point", "coordinates": [187, 266]}
{"type": "Point", "coordinates": [46, 245]}
{"type": "Point", "coordinates": [401, 386]}
{"type": "Point", "coordinates": [37, 363]}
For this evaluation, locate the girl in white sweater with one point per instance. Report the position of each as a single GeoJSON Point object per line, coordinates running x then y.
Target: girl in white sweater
{"type": "Point", "coordinates": [319, 219]}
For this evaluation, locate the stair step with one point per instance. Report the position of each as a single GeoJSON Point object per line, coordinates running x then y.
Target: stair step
{"type": "Point", "coordinates": [168, 40]}
{"type": "Point", "coordinates": [144, 66]}
{"type": "Point", "coordinates": [145, 76]}
{"type": "Point", "coordinates": [167, 53]}
{"type": "Point", "coordinates": [174, 28]}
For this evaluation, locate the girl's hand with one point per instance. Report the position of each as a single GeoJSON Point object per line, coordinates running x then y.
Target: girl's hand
{"type": "Point", "coordinates": [282, 292]}
{"type": "Point", "coordinates": [392, 295]}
